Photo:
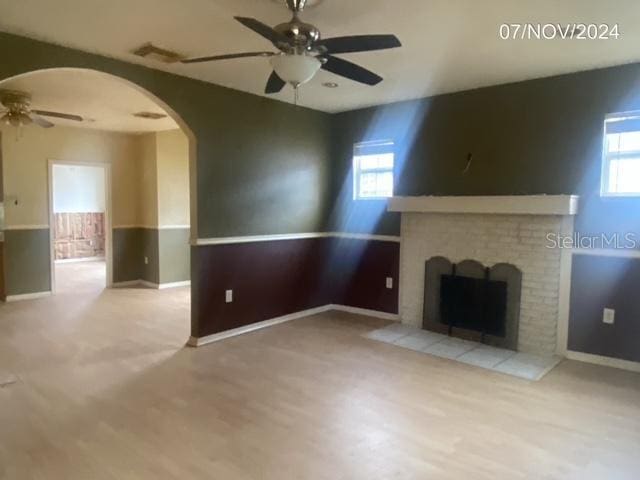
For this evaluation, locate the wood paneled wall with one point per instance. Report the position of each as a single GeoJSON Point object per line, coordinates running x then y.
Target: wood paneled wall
{"type": "Point", "coordinates": [79, 235]}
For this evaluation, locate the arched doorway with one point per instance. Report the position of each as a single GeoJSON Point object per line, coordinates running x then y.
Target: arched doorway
{"type": "Point", "coordinates": [139, 218]}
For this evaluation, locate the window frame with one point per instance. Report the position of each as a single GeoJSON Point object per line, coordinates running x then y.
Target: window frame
{"type": "Point", "coordinates": [607, 157]}
{"type": "Point", "coordinates": [357, 170]}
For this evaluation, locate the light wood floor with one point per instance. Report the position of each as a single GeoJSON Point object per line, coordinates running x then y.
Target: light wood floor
{"type": "Point", "coordinates": [106, 390]}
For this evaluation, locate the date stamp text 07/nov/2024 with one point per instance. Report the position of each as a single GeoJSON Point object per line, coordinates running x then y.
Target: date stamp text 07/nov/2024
{"type": "Point", "coordinates": [559, 31]}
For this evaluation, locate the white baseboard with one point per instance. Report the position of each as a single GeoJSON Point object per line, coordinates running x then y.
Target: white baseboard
{"type": "Point", "coordinates": [129, 283]}
{"type": "Point", "coordinates": [155, 286]}
{"type": "Point", "coordinates": [605, 361]}
{"type": "Point", "coordinates": [199, 341]}
{"type": "Point", "coordinates": [365, 311]}
{"type": "Point", "coordinates": [186, 283]}
{"type": "Point", "coordinates": [27, 296]}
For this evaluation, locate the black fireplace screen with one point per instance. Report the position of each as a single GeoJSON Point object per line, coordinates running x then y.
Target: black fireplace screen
{"type": "Point", "coordinates": [474, 304]}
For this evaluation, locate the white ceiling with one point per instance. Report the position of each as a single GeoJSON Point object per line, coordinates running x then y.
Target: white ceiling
{"type": "Point", "coordinates": [105, 102]}
{"type": "Point", "coordinates": [448, 45]}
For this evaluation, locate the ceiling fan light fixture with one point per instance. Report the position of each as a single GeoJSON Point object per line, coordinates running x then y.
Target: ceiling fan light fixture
{"type": "Point", "coordinates": [14, 120]}
{"type": "Point", "coordinates": [25, 119]}
{"type": "Point", "coordinates": [295, 69]}
{"type": "Point", "coordinates": [303, 51]}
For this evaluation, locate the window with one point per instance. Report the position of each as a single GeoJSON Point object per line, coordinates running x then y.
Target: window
{"type": "Point", "coordinates": [373, 170]}
{"type": "Point", "coordinates": [621, 157]}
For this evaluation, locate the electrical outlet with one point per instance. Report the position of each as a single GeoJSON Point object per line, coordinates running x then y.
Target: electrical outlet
{"type": "Point", "coordinates": [608, 316]}
{"type": "Point", "coordinates": [146, 260]}
{"type": "Point", "coordinates": [228, 296]}
{"type": "Point", "coordinates": [389, 282]}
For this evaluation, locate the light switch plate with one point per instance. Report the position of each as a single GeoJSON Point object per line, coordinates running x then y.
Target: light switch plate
{"type": "Point", "coordinates": [228, 296]}
{"type": "Point", "coordinates": [146, 260]}
{"type": "Point", "coordinates": [389, 282]}
{"type": "Point", "coordinates": [608, 316]}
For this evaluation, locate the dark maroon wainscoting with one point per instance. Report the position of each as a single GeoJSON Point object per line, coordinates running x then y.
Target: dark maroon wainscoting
{"type": "Point", "coordinates": [268, 279]}
{"type": "Point", "coordinates": [598, 282]}
{"type": "Point", "coordinates": [360, 268]}
{"type": "Point", "coordinates": [275, 278]}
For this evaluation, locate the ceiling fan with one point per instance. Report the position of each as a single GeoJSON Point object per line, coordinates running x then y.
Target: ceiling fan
{"type": "Point", "coordinates": [302, 51]}
{"type": "Point", "coordinates": [19, 112]}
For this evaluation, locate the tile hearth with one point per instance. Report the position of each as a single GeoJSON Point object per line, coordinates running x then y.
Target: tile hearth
{"type": "Point", "coordinates": [522, 365]}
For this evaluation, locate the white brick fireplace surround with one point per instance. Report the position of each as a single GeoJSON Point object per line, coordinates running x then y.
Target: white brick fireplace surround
{"type": "Point", "coordinates": [510, 229]}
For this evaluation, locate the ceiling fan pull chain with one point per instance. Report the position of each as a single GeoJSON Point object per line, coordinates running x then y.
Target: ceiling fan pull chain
{"type": "Point", "coordinates": [295, 95]}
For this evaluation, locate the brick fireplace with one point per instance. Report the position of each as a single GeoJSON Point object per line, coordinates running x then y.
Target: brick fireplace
{"type": "Point", "coordinates": [491, 231]}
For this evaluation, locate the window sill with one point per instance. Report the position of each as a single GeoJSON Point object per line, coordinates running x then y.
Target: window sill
{"type": "Point", "coordinates": [619, 195]}
{"type": "Point", "coordinates": [371, 199]}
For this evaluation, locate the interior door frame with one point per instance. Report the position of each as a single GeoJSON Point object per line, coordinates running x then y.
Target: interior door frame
{"type": "Point", "coordinates": [107, 217]}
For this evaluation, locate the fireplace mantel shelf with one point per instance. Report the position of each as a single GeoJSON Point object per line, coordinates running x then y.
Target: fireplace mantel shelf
{"type": "Point", "coordinates": [498, 204]}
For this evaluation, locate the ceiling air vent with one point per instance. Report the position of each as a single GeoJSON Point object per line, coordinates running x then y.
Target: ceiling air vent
{"type": "Point", "coordinates": [150, 51]}
{"type": "Point", "coordinates": [150, 115]}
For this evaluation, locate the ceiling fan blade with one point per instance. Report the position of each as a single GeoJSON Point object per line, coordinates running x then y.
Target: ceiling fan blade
{"type": "Point", "coordinates": [359, 43]}
{"type": "Point", "coordinates": [228, 56]}
{"type": "Point", "coordinates": [350, 70]}
{"type": "Point", "coordinates": [264, 30]}
{"type": "Point", "coordinates": [38, 120]}
{"type": "Point", "coordinates": [66, 116]}
{"type": "Point", "coordinates": [274, 84]}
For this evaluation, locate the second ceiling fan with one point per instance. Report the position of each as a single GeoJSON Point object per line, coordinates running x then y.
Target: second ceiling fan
{"type": "Point", "coordinates": [302, 51]}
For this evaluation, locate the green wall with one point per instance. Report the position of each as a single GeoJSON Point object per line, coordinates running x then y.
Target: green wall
{"type": "Point", "coordinates": [149, 271]}
{"type": "Point", "coordinates": [266, 167]}
{"type": "Point", "coordinates": [27, 261]}
{"type": "Point", "coordinates": [130, 248]}
{"type": "Point", "coordinates": [174, 253]}
{"type": "Point", "coordinates": [167, 252]}
{"type": "Point", "coordinates": [536, 137]}
{"type": "Point", "coordinates": [262, 165]}
{"type": "Point", "coordinates": [127, 254]}
{"type": "Point", "coordinates": [27, 267]}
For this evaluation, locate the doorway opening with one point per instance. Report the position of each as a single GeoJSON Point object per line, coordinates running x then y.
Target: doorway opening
{"type": "Point", "coordinates": [80, 219]}
{"type": "Point", "coordinates": [139, 227]}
